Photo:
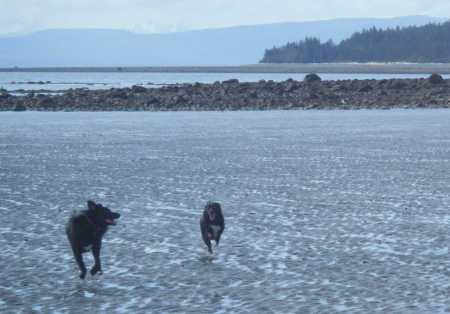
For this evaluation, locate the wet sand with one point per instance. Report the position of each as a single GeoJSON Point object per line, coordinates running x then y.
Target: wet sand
{"type": "Point", "coordinates": [326, 211]}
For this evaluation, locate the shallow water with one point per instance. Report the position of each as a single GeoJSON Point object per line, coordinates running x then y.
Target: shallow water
{"type": "Point", "coordinates": [326, 212]}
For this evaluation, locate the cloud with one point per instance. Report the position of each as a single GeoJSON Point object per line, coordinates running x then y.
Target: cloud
{"type": "Point", "coordinates": [177, 15]}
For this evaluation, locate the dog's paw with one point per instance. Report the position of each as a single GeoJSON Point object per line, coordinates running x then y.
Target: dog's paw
{"type": "Point", "coordinates": [82, 275]}
{"type": "Point", "coordinates": [96, 270]}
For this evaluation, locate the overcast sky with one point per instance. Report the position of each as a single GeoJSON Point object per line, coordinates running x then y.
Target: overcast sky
{"type": "Point", "coordinates": [22, 16]}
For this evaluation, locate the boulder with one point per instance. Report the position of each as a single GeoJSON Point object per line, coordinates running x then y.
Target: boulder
{"type": "Point", "coordinates": [231, 81]}
{"type": "Point", "coordinates": [4, 94]}
{"type": "Point", "coordinates": [435, 79]}
{"type": "Point", "coordinates": [138, 89]}
{"type": "Point", "coordinates": [312, 77]}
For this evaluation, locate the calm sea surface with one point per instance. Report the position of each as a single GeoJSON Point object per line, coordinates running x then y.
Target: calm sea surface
{"type": "Point", "coordinates": [326, 211]}
{"type": "Point", "coordinates": [23, 81]}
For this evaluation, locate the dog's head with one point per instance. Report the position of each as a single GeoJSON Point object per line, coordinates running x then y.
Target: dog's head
{"type": "Point", "coordinates": [213, 210]}
{"type": "Point", "coordinates": [103, 215]}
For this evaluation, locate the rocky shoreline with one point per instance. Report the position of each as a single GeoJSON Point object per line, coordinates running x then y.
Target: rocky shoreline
{"type": "Point", "coordinates": [311, 93]}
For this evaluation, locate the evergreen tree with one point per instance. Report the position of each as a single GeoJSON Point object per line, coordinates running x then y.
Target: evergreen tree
{"type": "Point", "coordinates": [428, 43]}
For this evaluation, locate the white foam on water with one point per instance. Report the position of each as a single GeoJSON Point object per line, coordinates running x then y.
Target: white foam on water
{"type": "Point", "coordinates": [88, 294]}
{"type": "Point", "coordinates": [163, 208]}
{"type": "Point", "coordinates": [144, 303]}
{"type": "Point", "coordinates": [436, 252]}
{"type": "Point", "coordinates": [160, 249]}
{"type": "Point", "coordinates": [341, 308]}
{"type": "Point", "coordinates": [37, 308]}
{"type": "Point", "coordinates": [16, 203]}
{"type": "Point", "coordinates": [235, 284]}
{"type": "Point", "coordinates": [227, 304]}
{"type": "Point", "coordinates": [235, 263]}
{"type": "Point", "coordinates": [115, 270]}
{"type": "Point", "coordinates": [111, 285]}
{"type": "Point", "coordinates": [208, 258]}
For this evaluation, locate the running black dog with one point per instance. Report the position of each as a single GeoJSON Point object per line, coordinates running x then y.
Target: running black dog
{"type": "Point", "coordinates": [85, 231]}
{"type": "Point", "coordinates": [212, 224]}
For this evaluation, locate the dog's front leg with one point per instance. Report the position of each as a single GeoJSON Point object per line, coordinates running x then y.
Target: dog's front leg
{"type": "Point", "coordinates": [205, 234]}
{"type": "Point", "coordinates": [96, 252]}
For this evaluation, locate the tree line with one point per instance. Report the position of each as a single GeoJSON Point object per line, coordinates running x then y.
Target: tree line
{"type": "Point", "coordinates": [428, 43]}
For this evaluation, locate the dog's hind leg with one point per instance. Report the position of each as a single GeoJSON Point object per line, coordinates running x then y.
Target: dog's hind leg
{"type": "Point", "coordinates": [96, 253]}
{"type": "Point", "coordinates": [79, 259]}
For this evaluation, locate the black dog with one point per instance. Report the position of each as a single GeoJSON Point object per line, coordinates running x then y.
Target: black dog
{"type": "Point", "coordinates": [85, 231]}
{"type": "Point", "coordinates": [212, 224]}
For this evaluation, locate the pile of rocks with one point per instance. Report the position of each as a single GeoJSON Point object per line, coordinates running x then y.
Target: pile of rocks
{"type": "Point", "coordinates": [311, 93]}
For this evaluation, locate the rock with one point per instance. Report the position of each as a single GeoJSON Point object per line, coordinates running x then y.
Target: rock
{"type": "Point", "coordinates": [231, 81]}
{"type": "Point", "coordinates": [118, 93]}
{"type": "Point", "coordinates": [232, 95]}
{"type": "Point", "coordinates": [397, 84]}
{"type": "Point", "coordinates": [312, 77]}
{"type": "Point", "coordinates": [313, 95]}
{"type": "Point", "coordinates": [138, 89]}
{"type": "Point", "coordinates": [290, 86]}
{"type": "Point", "coordinates": [365, 89]}
{"type": "Point", "coordinates": [435, 79]}
{"type": "Point", "coordinates": [45, 101]}
{"type": "Point", "coordinates": [339, 88]}
{"type": "Point", "coordinates": [20, 107]}
{"type": "Point", "coordinates": [253, 94]}
{"type": "Point", "coordinates": [4, 94]}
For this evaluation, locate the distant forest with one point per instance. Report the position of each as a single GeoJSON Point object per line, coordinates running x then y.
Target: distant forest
{"type": "Point", "coordinates": [428, 43]}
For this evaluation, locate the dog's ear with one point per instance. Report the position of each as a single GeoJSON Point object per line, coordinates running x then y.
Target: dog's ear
{"type": "Point", "coordinates": [219, 211]}
{"type": "Point", "coordinates": [91, 205]}
{"type": "Point", "coordinates": [216, 208]}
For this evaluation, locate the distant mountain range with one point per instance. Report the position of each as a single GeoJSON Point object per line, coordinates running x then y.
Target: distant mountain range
{"type": "Point", "coordinates": [223, 46]}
